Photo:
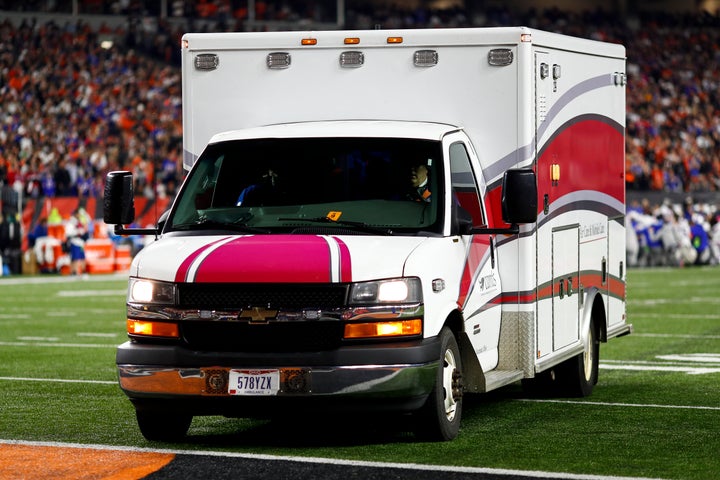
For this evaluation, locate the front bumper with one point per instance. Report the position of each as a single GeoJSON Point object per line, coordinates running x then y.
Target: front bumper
{"type": "Point", "coordinates": [393, 376]}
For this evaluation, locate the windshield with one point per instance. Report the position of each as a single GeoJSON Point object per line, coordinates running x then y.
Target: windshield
{"type": "Point", "coordinates": [314, 185]}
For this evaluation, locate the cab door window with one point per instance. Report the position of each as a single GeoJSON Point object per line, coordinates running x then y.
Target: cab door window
{"type": "Point", "coordinates": [464, 187]}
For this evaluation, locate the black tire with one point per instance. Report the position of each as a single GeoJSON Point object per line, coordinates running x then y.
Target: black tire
{"type": "Point", "coordinates": [575, 377]}
{"type": "Point", "coordinates": [439, 418]}
{"type": "Point", "coordinates": [161, 426]}
{"type": "Point", "coordinates": [578, 376]}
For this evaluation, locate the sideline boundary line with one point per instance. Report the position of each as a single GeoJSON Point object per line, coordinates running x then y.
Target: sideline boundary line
{"type": "Point", "coordinates": [351, 463]}
{"type": "Point", "coordinates": [35, 280]}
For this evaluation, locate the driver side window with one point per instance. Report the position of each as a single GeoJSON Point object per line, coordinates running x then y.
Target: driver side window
{"type": "Point", "coordinates": [464, 186]}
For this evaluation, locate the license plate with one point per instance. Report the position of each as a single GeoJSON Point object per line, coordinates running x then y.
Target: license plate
{"type": "Point", "coordinates": [254, 382]}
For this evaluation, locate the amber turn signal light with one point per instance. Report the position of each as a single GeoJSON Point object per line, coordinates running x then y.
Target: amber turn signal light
{"type": "Point", "coordinates": [153, 329]}
{"type": "Point", "coordinates": [384, 329]}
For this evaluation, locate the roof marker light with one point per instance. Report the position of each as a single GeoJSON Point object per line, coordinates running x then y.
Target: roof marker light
{"type": "Point", "coordinates": [526, 37]}
{"type": "Point", "coordinates": [352, 41]}
{"type": "Point", "coordinates": [206, 61]}
{"type": "Point", "coordinates": [425, 58]}
{"type": "Point", "coordinates": [353, 59]}
{"type": "Point", "coordinates": [278, 60]}
{"type": "Point", "coordinates": [394, 39]}
{"type": "Point", "coordinates": [500, 57]}
{"type": "Point", "coordinates": [308, 41]}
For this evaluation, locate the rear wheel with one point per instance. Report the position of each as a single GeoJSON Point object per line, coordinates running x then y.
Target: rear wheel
{"type": "Point", "coordinates": [163, 426]}
{"type": "Point", "coordinates": [439, 418]}
{"type": "Point", "coordinates": [575, 377]}
{"type": "Point", "coordinates": [578, 375]}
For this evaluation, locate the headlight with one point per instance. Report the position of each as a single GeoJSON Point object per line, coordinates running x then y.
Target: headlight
{"type": "Point", "coordinates": [391, 291]}
{"type": "Point", "coordinates": [148, 291]}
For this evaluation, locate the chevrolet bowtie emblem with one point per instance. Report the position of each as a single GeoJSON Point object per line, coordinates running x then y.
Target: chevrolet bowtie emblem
{"type": "Point", "coordinates": [257, 314]}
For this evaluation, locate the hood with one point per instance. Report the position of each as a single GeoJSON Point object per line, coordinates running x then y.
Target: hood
{"type": "Point", "coordinates": [274, 258]}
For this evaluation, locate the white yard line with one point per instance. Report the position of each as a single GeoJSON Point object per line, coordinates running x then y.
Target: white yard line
{"type": "Point", "coordinates": [676, 335]}
{"type": "Point", "coordinates": [619, 404]}
{"type": "Point", "coordinates": [62, 345]}
{"type": "Point", "coordinates": [23, 280]}
{"type": "Point", "coordinates": [690, 370]}
{"type": "Point", "coordinates": [92, 293]}
{"type": "Point", "coordinates": [38, 339]}
{"type": "Point", "coordinates": [682, 316]}
{"type": "Point", "coordinates": [58, 380]}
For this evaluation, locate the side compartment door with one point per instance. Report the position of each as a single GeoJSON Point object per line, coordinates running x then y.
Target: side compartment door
{"type": "Point", "coordinates": [480, 283]}
{"type": "Point", "coordinates": [565, 288]}
{"type": "Point", "coordinates": [615, 271]}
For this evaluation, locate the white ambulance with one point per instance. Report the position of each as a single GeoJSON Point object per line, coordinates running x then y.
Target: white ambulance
{"type": "Point", "coordinates": [380, 221]}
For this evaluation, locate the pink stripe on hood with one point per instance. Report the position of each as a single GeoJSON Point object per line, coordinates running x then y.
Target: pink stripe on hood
{"type": "Point", "coordinates": [276, 258]}
{"type": "Point", "coordinates": [182, 274]}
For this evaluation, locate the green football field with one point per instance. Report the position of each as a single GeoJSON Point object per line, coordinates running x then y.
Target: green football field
{"type": "Point", "coordinates": [654, 413]}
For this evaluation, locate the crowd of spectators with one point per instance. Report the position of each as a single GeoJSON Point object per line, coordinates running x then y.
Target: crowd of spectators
{"type": "Point", "coordinates": [73, 108]}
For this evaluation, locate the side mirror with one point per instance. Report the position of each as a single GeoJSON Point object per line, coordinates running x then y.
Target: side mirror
{"type": "Point", "coordinates": [119, 201]}
{"type": "Point", "coordinates": [519, 196]}
{"type": "Point", "coordinates": [119, 204]}
{"type": "Point", "coordinates": [519, 201]}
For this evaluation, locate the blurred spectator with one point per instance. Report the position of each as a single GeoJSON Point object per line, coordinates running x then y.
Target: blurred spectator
{"type": "Point", "coordinates": [70, 110]}
{"type": "Point", "coordinates": [77, 234]}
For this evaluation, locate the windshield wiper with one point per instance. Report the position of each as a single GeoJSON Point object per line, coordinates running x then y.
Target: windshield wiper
{"type": "Point", "coordinates": [205, 223]}
{"type": "Point", "coordinates": [361, 226]}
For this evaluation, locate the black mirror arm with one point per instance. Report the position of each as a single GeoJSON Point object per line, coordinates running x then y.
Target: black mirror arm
{"type": "Point", "coordinates": [513, 229]}
{"type": "Point", "coordinates": [121, 230]}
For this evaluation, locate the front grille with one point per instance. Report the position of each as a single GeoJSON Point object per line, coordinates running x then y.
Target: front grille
{"type": "Point", "coordinates": [274, 336]}
{"type": "Point", "coordinates": [270, 337]}
{"type": "Point", "coordinates": [228, 296]}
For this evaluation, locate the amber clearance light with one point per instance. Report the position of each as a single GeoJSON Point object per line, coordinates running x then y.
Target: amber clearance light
{"type": "Point", "coordinates": [154, 329]}
{"type": "Point", "coordinates": [384, 329]}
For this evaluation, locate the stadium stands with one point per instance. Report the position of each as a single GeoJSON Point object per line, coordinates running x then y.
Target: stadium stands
{"type": "Point", "coordinates": [73, 106]}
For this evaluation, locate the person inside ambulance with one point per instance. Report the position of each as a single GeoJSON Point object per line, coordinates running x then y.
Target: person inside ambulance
{"type": "Point", "coordinates": [258, 193]}
{"type": "Point", "coordinates": [420, 189]}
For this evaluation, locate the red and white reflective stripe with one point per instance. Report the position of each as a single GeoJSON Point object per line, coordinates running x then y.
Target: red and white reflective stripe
{"type": "Point", "coordinates": [477, 255]}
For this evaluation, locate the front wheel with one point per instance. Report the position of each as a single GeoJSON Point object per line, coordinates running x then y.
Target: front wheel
{"type": "Point", "coordinates": [439, 418]}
